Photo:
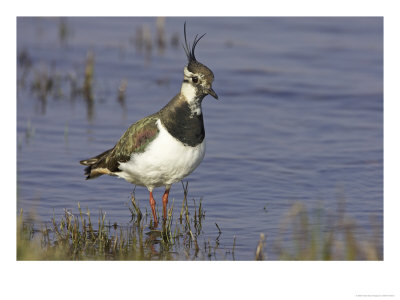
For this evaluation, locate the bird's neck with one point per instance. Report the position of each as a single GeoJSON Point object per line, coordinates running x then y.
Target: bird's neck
{"type": "Point", "coordinates": [191, 95]}
{"type": "Point", "coordinates": [183, 121]}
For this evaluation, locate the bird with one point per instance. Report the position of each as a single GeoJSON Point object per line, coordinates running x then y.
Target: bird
{"type": "Point", "coordinates": [165, 147]}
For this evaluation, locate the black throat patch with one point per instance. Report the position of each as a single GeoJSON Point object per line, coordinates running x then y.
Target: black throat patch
{"type": "Point", "coordinates": [182, 124]}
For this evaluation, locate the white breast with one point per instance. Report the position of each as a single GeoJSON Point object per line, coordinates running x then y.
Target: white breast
{"type": "Point", "coordinates": [165, 161]}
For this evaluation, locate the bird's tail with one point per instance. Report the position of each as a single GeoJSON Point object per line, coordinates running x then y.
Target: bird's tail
{"type": "Point", "coordinates": [93, 170]}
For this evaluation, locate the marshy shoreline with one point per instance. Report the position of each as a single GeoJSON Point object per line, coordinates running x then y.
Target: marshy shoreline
{"type": "Point", "coordinates": [315, 235]}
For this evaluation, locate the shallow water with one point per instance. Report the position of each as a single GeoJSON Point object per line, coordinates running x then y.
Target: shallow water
{"type": "Point", "coordinates": [300, 117]}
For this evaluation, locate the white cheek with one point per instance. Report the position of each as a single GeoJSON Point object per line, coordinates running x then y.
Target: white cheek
{"type": "Point", "coordinates": [188, 91]}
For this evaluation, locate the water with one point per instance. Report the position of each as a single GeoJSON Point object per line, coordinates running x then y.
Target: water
{"type": "Point", "coordinates": [300, 117]}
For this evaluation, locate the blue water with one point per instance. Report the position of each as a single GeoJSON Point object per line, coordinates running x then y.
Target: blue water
{"type": "Point", "coordinates": [300, 118]}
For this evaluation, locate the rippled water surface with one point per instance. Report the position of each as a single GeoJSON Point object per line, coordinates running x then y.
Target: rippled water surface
{"type": "Point", "coordinates": [300, 116]}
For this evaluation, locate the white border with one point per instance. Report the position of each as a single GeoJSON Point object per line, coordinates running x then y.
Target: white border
{"type": "Point", "coordinates": [200, 280]}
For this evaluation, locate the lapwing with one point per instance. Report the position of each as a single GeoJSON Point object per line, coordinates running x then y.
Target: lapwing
{"type": "Point", "coordinates": [167, 146]}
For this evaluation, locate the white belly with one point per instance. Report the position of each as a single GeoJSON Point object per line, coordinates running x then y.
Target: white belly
{"type": "Point", "coordinates": [165, 161]}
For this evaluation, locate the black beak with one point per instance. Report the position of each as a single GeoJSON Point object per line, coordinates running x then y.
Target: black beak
{"type": "Point", "coordinates": [212, 93]}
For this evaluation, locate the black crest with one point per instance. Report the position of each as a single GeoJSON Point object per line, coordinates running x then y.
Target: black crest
{"type": "Point", "coordinates": [190, 50]}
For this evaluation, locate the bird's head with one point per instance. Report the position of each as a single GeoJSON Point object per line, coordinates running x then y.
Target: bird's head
{"type": "Point", "coordinates": [198, 79]}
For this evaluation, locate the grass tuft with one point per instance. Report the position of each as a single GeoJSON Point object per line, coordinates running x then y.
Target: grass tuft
{"type": "Point", "coordinates": [80, 237]}
{"type": "Point", "coordinates": [321, 235]}
{"type": "Point", "coordinates": [304, 235]}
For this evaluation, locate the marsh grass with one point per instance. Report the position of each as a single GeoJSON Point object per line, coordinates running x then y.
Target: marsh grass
{"type": "Point", "coordinates": [319, 234]}
{"type": "Point", "coordinates": [84, 236]}
{"type": "Point", "coordinates": [303, 235]}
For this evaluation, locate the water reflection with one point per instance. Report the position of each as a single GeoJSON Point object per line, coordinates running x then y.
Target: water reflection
{"type": "Point", "coordinates": [48, 83]}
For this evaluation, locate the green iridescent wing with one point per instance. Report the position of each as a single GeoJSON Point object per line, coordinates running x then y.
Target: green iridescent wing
{"type": "Point", "coordinates": [134, 140]}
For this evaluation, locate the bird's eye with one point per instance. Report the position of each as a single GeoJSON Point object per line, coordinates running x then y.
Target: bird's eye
{"type": "Point", "coordinates": [195, 79]}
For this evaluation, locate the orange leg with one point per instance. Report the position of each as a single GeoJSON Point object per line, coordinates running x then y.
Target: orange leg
{"type": "Point", "coordinates": [153, 208]}
{"type": "Point", "coordinates": [164, 203]}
